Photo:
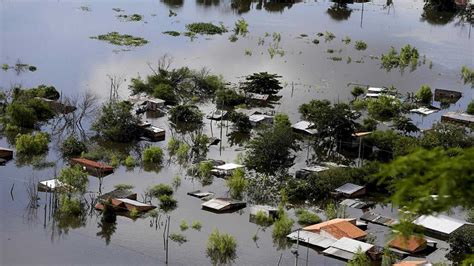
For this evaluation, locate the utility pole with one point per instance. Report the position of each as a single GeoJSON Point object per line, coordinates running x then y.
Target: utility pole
{"type": "Point", "coordinates": [297, 246]}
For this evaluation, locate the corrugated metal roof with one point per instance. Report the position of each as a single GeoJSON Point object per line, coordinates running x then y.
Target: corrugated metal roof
{"type": "Point", "coordinates": [460, 116]}
{"type": "Point", "coordinates": [339, 253]}
{"type": "Point", "coordinates": [312, 238]}
{"type": "Point", "coordinates": [305, 126]}
{"type": "Point", "coordinates": [267, 209]}
{"type": "Point", "coordinates": [316, 168]}
{"type": "Point", "coordinates": [229, 166]}
{"type": "Point", "coordinates": [52, 183]}
{"type": "Point", "coordinates": [134, 202]}
{"type": "Point", "coordinates": [351, 245]}
{"type": "Point", "coordinates": [349, 188]}
{"type": "Point", "coordinates": [440, 223]}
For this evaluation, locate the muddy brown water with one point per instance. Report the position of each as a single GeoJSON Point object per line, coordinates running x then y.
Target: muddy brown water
{"type": "Point", "coordinates": [54, 36]}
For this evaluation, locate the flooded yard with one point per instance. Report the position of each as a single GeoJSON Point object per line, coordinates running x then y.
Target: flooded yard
{"type": "Point", "coordinates": [55, 37]}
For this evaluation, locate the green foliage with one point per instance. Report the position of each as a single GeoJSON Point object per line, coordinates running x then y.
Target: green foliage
{"type": "Point", "coordinates": [205, 28]}
{"type": "Point", "coordinates": [133, 17]}
{"type": "Point", "coordinates": [388, 257]}
{"type": "Point", "coordinates": [461, 243]}
{"type": "Point", "coordinates": [346, 40]}
{"type": "Point", "coordinates": [467, 75]}
{"type": "Point", "coordinates": [123, 186]}
{"type": "Point", "coordinates": [116, 38]}
{"type": "Point", "coordinates": [153, 155]}
{"type": "Point", "coordinates": [167, 203]}
{"type": "Point", "coordinates": [329, 36]}
{"type": "Point", "coordinates": [173, 145]}
{"type": "Point", "coordinates": [114, 161]}
{"type": "Point", "coordinates": [241, 122]}
{"type": "Point", "coordinates": [165, 92]}
{"type": "Point", "coordinates": [369, 124]}
{"type": "Point", "coordinates": [416, 177]}
{"type": "Point", "coordinates": [391, 144]}
{"type": "Point", "coordinates": [405, 125]}
{"type": "Point", "coordinates": [196, 225]}
{"type": "Point", "coordinates": [262, 219]}
{"type": "Point", "coordinates": [424, 94]}
{"type": "Point", "coordinates": [470, 108]}
{"type": "Point", "coordinates": [183, 225]}
{"type": "Point", "coordinates": [359, 259]}
{"type": "Point", "coordinates": [178, 238]}
{"type": "Point", "coordinates": [74, 178]}
{"type": "Point", "coordinates": [359, 104]}
{"type": "Point", "coordinates": [271, 151]}
{"type": "Point", "coordinates": [237, 183]}
{"type": "Point", "coordinates": [183, 153]}
{"type": "Point", "coordinates": [446, 135]}
{"type": "Point", "coordinates": [204, 171]}
{"type": "Point", "coordinates": [384, 108]}
{"type": "Point", "coordinates": [176, 182]}
{"type": "Point", "coordinates": [263, 83]}
{"type": "Point", "coordinates": [172, 33]}
{"type": "Point", "coordinates": [159, 190]}
{"type": "Point", "coordinates": [32, 144]}
{"type": "Point", "coordinates": [27, 112]}
{"type": "Point", "coordinates": [241, 27]}
{"type": "Point", "coordinates": [408, 56]}
{"type": "Point", "coordinates": [42, 91]}
{"type": "Point", "coordinates": [281, 228]}
{"type": "Point", "coordinates": [306, 217]}
{"type": "Point", "coordinates": [221, 248]}
{"type": "Point", "coordinates": [360, 45]}
{"type": "Point", "coordinates": [69, 206]}
{"type": "Point", "coordinates": [357, 91]}
{"type": "Point", "coordinates": [72, 147]}
{"type": "Point", "coordinates": [116, 122]}
{"type": "Point", "coordinates": [130, 162]}
{"type": "Point", "coordinates": [186, 114]}
{"type": "Point", "coordinates": [333, 211]}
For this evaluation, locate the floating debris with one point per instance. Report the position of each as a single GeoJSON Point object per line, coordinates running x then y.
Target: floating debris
{"type": "Point", "coordinates": [360, 45]}
{"type": "Point", "coordinates": [206, 28]}
{"type": "Point", "coordinates": [116, 38]}
{"type": "Point", "coordinates": [133, 17]}
{"type": "Point", "coordinates": [172, 33]}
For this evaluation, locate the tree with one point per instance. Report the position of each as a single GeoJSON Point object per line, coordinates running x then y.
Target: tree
{"type": "Point", "coordinates": [237, 183]}
{"type": "Point", "coordinates": [159, 190]}
{"type": "Point", "coordinates": [32, 144]}
{"type": "Point", "coordinates": [221, 248]}
{"type": "Point", "coordinates": [359, 259]}
{"type": "Point", "coordinates": [424, 94]}
{"type": "Point", "coordinates": [75, 179]}
{"type": "Point", "coordinates": [72, 147]}
{"type": "Point", "coordinates": [405, 125]}
{"type": "Point", "coordinates": [186, 114]}
{"type": "Point", "coordinates": [461, 243]}
{"type": "Point", "coordinates": [262, 83]}
{"type": "Point", "coordinates": [228, 98]}
{"type": "Point", "coordinates": [384, 108]}
{"type": "Point", "coordinates": [470, 108]}
{"type": "Point", "coordinates": [357, 91]}
{"type": "Point", "coordinates": [165, 92]}
{"type": "Point", "coordinates": [117, 123]}
{"type": "Point", "coordinates": [241, 122]}
{"type": "Point", "coordinates": [281, 228]}
{"type": "Point", "coordinates": [271, 151]}
{"type": "Point", "coordinates": [153, 155]}
{"type": "Point", "coordinates": [431, 181]}
{"type": "Point", "coordinates": [446, 135]}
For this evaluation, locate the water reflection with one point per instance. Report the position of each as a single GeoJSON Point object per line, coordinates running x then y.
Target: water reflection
{"type": "Point", "coordinates": [339, 12]}
{"type": "Point", "coordinates": [244, 6]}
{"type": "Point", "coordinates": [208, 3]}
{"type": "Point", "coordinates": [439, 12]}
{"type": "Point", "coordinates": [107, 224]}
{"type": "Point", "coordinates": [173, 3]}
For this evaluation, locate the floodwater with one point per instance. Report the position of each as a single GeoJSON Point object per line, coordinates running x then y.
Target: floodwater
{"type": "Point", "coordinates": [54, 36]}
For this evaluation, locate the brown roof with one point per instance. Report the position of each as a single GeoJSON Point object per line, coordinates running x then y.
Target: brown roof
{"type": "Point", "coordinates": [93, 164]}
{"type": "Point", "coordinates": [315, 228]}
{"type": "Point", "coordinates": [344, 229]}
{"type": "Point", "coordinates": [408, 244]}
{"type": "Point", "coordinates": [411, 263]}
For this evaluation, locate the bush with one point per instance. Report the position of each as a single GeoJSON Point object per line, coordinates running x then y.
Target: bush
{"type": "Point", "coordinates": [221, 248]}
{"type": "Point", "coordinates": [183, 225]}
{"type": "Point", "coordinates": [178, 238]}
{"type": "Point", "coordinates": [153, 155]}
{"type": "Point", "coordinates": [161, 189]}
{"type": "Point", "coordinates": [167, 203]}
{"type": "Point", "coordinates": [237, 184]}
{"type": "Point", "coordinates": [129, 161]}
{"type": "Point", "coordinates": [32, 144]}
{"type": "Point", "coordinates": [306, 217]}
{"type": "Point", "coordinates": [281, 228]}
{"type": "Point", "coordinates": [72, 147]}
{"type": "Point", "coordinates": [262, 219]}
{"type": "Point", "coordinates": [424, 94]}
{"type": "Point", "coordinates": [360, 45]}
{"type": "Point", "coordinates": [165, 92]}
{"type": "Point", "coordinates": [116, 122]}
{"type": "Point", "coordinates": [470, 108]}
{"type": "Point", "coordinates": [123, 186]}
{"type": "Point", "coordinates": [205, 28]}
{"type": "Point", "coordinates": [186, 114]}
{"type": "Point", "coordinates": [241, 122]}
{"type": "Point", "coordinates": [357, 91]}
{"type": "Point", "coordinates": [70, 207]}
{"type": "Point", "coordinates": [27, 113]}
{"type": "Point", "coordinates": [74, 178]}
{"type": "Point", "coordinates": [196, 225]}
{"type": "Point", "coordinates": [384, 108]}
{"type": "Point", "coordinates": [228, 98]}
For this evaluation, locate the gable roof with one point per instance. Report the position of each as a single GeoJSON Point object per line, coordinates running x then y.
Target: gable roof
{"type": "Point", "coordinates": [409, 244]}
{"type": "Point", "coordinates": [317, 227]}
{"type": "Point", "coordinates": [344, 229]}
{"type": "Point", "coordinates": [351, 245]}
{"type": "Point", "coordinates": [349, 188]}
{"type": "Point", "coordinates": [440, 223]}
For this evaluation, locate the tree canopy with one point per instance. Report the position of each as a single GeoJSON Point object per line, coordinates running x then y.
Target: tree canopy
{"type": "Point", "coordinates": [117, 123]}
{"type": "Point", "coordinates": [262, 83]}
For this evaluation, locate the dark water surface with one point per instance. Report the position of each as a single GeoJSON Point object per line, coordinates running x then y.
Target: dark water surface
{"type": "Point", "coordinates": [54, 36]}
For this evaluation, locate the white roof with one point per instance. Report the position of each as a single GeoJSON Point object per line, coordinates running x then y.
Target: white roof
{"type": "Point", "coordinates": [259, 117]}
{"type": "Point", "coordinates": [156, 100]}
{"type": "Point", "coordinates": [265, 208]}
{"type": "Point", "coordinates": [423, 110]}
{"type": "Point", "coordinates": [372, 95]}
{"type": "Point", "coordinates": [216, 204]}
{"type": "Point", "coordinates": [351, 245]}
{"type": "Point", "coordinates": [316, 168]}
{"type": "Point", "coordinates": [312, 238]}
{"type": "Point", "coordinates": [339, 253]}
{"type": "Point", "coordinates": [349, 188]}
{"type": "Point", "coordinates": [156, 129]}
{"type": "Point", "coordinates": [460, 116]}
{"type": "Point", "coordinates": [52, 183]}
{"type": "Point", "coordinates": [256, 96]}
{"type": "Point", "coordinates": [133, 202]}
{"type": "Point", "coordinates": [229, 166]}
{"type": "Point", "coordinates": [440, 223]}
{"type": "Point", "coordinates": [375, 89]}
{"type": "Point", "coordinates": [305, 126]}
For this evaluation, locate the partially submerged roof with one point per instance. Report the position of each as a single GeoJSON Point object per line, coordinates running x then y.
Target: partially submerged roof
{"type": "Point", "coordinates": [351, 245]}
{"type": "Point", "coordinates": [338, 228]}
{"type": "Point", "coordinates": [376, 89]}
{"type": "Point", "coordinates": [315, 168]}
{"type": "Point", "coordinates": [349, 188]}
{"type": "Point", "coordinates": [424, 110]}
{"type": "Point", "coordinates": [223, 204]}
{"type": "Point", "coordinates": [259, 118]}
{"type": "Point", "coordinates": [265, 208]}
{"type": "Point", "coordinates": [119, 193]}
{"type": "Point", "coordinates": [52, 183]}
{"type": "Point", "coordinates": [229, 166]}
{"type": "Point", "coordinates": [410, 244]}
{"type": "Point", "coordinates": [412, 263]}
{"type": "Point", "coordinates": [440, 223]}
{"type": "Point", "coordinates": [462, 117]}
{"type": "Point", "coordinates": [378, 219]}
{"type": "Point", "coordinates": [317, 227]}
{"type": "Point", "coordinates": [134, 202]}
{"type": "Point", "coordinates": [354, 203]}
{"type": "Point", "coordinates": [305, 126]}
{"type": "Point", "coordinates": [155, 129]}
{"type": "Point", "coordinates": [311, 238]}
{"type": "Point", "coordinates": [256, 96]}
{"type": "Point", "coordinates": [92, 164]}
{"type": "Point", "coordinates": [200, 194]}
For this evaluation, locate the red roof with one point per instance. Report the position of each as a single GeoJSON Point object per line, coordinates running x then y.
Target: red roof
{"type": "Point", "coordinates": [93, 164]}
{"type": "Point", "coordinates": [338, 228]}
{"type": "Point", "coordinates": [409, 244]}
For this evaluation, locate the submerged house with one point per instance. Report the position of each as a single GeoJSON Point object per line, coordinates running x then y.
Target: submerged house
{"type": "Point", "coordinates": [51, 185]}
{"type": "Point", "coordinates": [350, 190]}
{"type": "Point", "coordinates": [441, 226]}
{"type": "Point", "coordinates": [152, 132]}
{"type": "Point", "coordinates": [412, 244]}
{"type": "Point", "coordinates": [375, 92]}
{"type": "Point", "coordinates": [304, 127]}
{"type": "Point", "coordinates": [6, 154]}
{"type": "Point", "coordinates": [123, 200]}
{"type": "Point", "coordinates": [458, 118]}
{"type": "Point", "coordinates": [200, 194]}
{"type": "Point", "coordinates": [223, 205]}
{"type": "Point", "coordinates": [376, 218]}
{"type": "Point", "coordinates": [226, 169]}
{"type": "Point", "coordinates": [346, 248]}
{"type": "Point", "coordinates": [449, 96]}
{"type": "Point", "coordinates": [269, 211]}
{"type": "Point", "coordinates": [92, 167]}
{"type": "Point", "coordinates": [217, 114]}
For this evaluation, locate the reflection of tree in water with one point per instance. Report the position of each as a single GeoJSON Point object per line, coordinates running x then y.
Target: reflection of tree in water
{"type": "Point", "coordinates": [441, 12]}
{"type": "Point", "coordinates": [339, 12]}
{"type": "Point", "coordinates": [244, 6]}
{"type": "Point", "coordinates": [64, 221]}
{"type": "Point", "coordinates": [208, 2]}
{"type": "Point", "coordinates": [173, 3]}
{"type": "Point", "coordinates": [107, 224]}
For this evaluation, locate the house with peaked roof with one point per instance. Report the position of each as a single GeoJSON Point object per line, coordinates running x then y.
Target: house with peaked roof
{"type": "Point", "coordinates": [337, 229]}
{"type": "Point", "coordinates": [411, 244]}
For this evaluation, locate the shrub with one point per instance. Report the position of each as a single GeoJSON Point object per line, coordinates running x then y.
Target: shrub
{"type": "Point", "coordinates": [262, 219]}
{"type": "Point", "coordinates": [424, 94]}
{"type": "Point", "coordinates": [72, 147]}
{"type": "Point", "coordinates": [178, 238]}
{"type": "Point", "coordinates": [167, 203]}
{"type": "Point", "coordinates": [165, 92]}
{"type": "Point", "coordinates": [306, 217]}
{"type": "Point", "coordinates": [281, 228]}
{"type": "Point", "coordinates": [172, 33]}
{"type": "Point", "coordinates": [32, 144]}
{"type": "Point", "coordinates": [357, 91]}
{"type": "Point", "coordinates": [74, 178]}
{"type": "Point", "coordinates": [116, 38]}
{"type": "Point", "coordinates": [360, 45]}
{"type": "Point", "coordinates": [186, 114]}
{"type": "Point", "coordinates": [159, 190]}
{"type": "Point", "coordinates": [129, 161]}
{"type": "Point", "coordinates": [153, 155]}
{"type": "Point", "coordinates": [237, 184]}
{"type": "Point", "coordinates": [196, 225]}
{"type": "Point", "coordinates": [173, 145]}
{"type": "Point", "coordinates": [176, 182]}
{"type": "Point", "coordinates": [183, 225]}
{"type": "Point", "coordinates": [221, 248]}
{"type": "Point", "coordinates": [123, 186]}
{"type": "Point", "coordinates": [134, 213]}
{"type": "Point", "coordinates": [241, 27]}
{"type": "Point", "coordinates": [69, 206]}
{"type": "Point", "coordinates": [384, 108]}
{"type": "Point", "coordinates": [470, 108]}
{"type": "Point", "coordinates": [117, 123]}
{"type": "Point", "coordinates": [205, 28]}
{"type": "Point", "coordinates": [241, 122]}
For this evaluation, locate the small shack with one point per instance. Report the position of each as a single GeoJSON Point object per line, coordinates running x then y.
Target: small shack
{"type": "Point", "coordinates": [201, 194]}
{"type": "Point", "coordinates": [303, 173]}
{"type": "Point", "coordinates": [51, 185]}
{"type": "Point", "coordinates": [350, 190]}
{"type": "Point", "coordinates": [6, 154]}
{"type": "Point", "coordinates": [154, 133]}
{"type": "Point", "coordinates": [304, 127]}
{"type": "Point", "coordinates": [260, 119]}
{"type": "Point", "coordinates": [440, 226]}
{"type": "Point", "coordinates": [124, 204]}
{"type": "Point", "coordinates": [412, 244]}
{"type": "Point", "coordinates": [92, 167]}
{"type": "Point", "coordinates": [269, 211]}
{"type": "Point", "coordinates": [354, 203]}
{"type": "Point", "coordinates": [458, 118]}
{"type": "Point", "coordinates": [311, 238]}
{"type": "Point", "coordinates": [118, 193]}
{"type": "Point", "coordinates": [223, 205]}
{"type": "Point", "coordinates": [226, 169]}
{"type": "Point", "coordinates": [424, 110]}
{"type": "Point", "coordinates": [217, 114]}
{"type": "Point", "coordinates": [448, 96]}
{"type": "Point", "coordinates": [375, 92]}
{"type": "Point", "coordinates": [346, 248]}
{"type": "Point", "coordinates": [154, 104]}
